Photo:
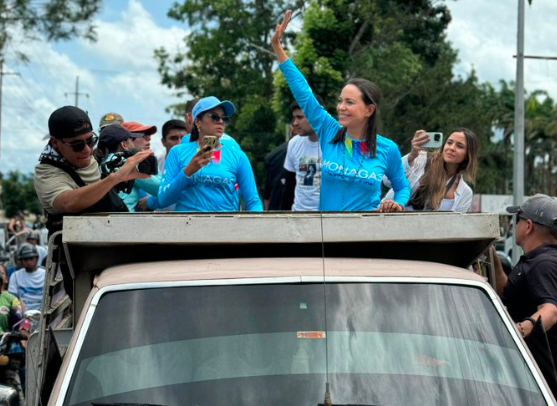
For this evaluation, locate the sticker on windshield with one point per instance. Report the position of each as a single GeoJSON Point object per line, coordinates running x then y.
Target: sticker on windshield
{"type": "Point", "coordinates": [311, 334]}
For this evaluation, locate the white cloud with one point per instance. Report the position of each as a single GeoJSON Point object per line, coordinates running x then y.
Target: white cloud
{"type": "Point", "coordinates": [124, 79]}
{"type": "Point", "coordinates": [485, 34]}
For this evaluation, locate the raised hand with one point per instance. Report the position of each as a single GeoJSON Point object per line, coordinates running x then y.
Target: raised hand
{"type": "Point", "coordinates": [420, 138]}
{"type": "Point", "coordinates": [129, 170]}
{"type": "Point", "coordinates": [277, 37]}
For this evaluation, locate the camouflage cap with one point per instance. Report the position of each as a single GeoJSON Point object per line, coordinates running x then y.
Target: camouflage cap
{"type": "Point", "coordinates": [109, 119]}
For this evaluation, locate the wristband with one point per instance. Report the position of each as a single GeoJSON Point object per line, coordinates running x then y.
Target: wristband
{"type": "Point", "coordinates": [530, 319]}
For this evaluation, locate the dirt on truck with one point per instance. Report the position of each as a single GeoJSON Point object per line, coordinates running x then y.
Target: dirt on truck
{"type": "Point", "coordinates": [278, 309]}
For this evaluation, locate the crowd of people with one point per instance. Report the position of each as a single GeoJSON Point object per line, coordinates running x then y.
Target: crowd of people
{"type": "Point", "coordinates": [330, 163]}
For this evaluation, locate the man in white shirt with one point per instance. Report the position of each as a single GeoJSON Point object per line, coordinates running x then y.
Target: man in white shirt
{"type": "Point", "coordinates": [304, 159]}
{"type": "Point", "coordinates": [27, 283]}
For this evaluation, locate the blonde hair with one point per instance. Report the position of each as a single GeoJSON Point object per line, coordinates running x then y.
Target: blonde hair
{"type": "Point", "coordinates": [433, 183]}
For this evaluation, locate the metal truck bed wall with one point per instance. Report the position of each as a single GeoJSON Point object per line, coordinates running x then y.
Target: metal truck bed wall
{"type": "Point", "coordinates": [95, 242]}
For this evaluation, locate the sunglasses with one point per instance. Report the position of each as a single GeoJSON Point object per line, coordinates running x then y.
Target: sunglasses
{"type": "Point", "coordinates": [78, 146]}
{"type": "Point", "coordinates": [216, 118]}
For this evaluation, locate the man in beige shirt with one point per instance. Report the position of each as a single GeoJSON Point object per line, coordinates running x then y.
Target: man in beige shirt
{"type": "Point", "coordinates": [67, 179]}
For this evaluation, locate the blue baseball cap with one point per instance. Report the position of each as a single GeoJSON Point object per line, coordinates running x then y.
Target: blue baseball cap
{"type": "Point", "coordinates": [209, 103]}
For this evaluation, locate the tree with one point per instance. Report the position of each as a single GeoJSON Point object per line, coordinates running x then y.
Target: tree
{"type": "Point", "coordinates": [18, 194]}
{"type": "Point", "coordinates": [228, 56]}
{"type": "Point", "coordinates": [401, 46]}
{"type": "Point", "coordinates": [55, 19]}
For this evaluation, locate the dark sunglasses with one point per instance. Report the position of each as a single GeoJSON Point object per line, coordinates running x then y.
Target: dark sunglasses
{"type": "Point", "coordinates": [78, 146]}
{"type": "Point", "coordinates": [216, 118]}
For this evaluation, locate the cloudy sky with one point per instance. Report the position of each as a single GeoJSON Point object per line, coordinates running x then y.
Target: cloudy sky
{"type": "Point", "coordinates": [118, 72]}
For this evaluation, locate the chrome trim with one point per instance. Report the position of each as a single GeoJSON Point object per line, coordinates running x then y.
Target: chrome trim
{"type": "Point", "coordinates": [304, 279]}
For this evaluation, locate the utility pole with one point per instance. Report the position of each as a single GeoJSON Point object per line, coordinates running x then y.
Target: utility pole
{"type": "Point", "coordinates": [518, 173]}
{"type": "Point", "coordinates": [2, 73]}
{"type": "Point", "coordinates": [76, 93]}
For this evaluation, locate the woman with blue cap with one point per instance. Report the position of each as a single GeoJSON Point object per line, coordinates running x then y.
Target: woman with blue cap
{"type": "Point", "coordinates": [199, 177]}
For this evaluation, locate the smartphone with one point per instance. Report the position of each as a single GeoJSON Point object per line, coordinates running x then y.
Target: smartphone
{"type": "Point", "coordinates": [211, 141]}
{"type": "Point", "coordinates": [435, 141]}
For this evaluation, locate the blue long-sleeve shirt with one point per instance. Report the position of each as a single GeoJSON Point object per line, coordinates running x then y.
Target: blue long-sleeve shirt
{"type": "Point", "coordinates": [351, 180]}
{"type": "Point", "coordinates": [212, 188]}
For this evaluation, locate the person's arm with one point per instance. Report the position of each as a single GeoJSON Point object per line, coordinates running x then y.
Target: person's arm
{"type": "Point", "coordinates": [150, 185]}
{"type": "Point", "coordinates": [74, 201]}
{"type": "Point", "coordinates": [248, 188]}
{"type": "Point", "coordinates": [500, 275]}
{"type": "Point", "coordinates": [397, 176]}
{"type": "Point", "coordinates": [277, 37]}
{"type": "Point", "coordinates": [321, 121]}
{"type": "Point", "coordinates": [548, 313]}
{"type": "Point", "coordinates": [11, 226]}
{"type": "Point", "coordinates": [420, 138]}
{"type": "Point", "coordinates": [542, 283]}
{"type": "Point", "coordinates": [175, 178]}
{"type": "Point", "coordinates": [287, 198]}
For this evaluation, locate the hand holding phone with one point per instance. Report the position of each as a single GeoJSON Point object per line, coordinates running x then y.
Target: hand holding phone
{"type": "Point", "coordinates": [435, 140]}
{"type": "Point", "coordinates": [210, 141]}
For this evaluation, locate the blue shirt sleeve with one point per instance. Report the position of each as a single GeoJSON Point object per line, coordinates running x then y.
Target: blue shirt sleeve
{"type": "Point", "coordinates": [246, 182]}
{"type": "Point", "coordinates": [397, 176]}
{"type": "Point", "coordinates": [174, 179]}
{"type": "Point", "coordinates": [150, 185]}
{"type": "Point", "coordinates": [322, 122]}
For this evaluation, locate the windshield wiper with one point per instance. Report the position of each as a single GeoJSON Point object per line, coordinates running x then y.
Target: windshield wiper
{"type": "Point", "coordinates": [124, 404]}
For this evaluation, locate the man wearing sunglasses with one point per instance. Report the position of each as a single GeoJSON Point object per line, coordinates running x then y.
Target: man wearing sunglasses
{"type": "Point", "coordinates": [68, 179]}
{"type": "Point", "coordinates": [530, 291]}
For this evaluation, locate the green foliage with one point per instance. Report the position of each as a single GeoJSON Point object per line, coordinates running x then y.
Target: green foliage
{"type": "Point", "coordinates": [228, 57]}
{"type": "Point", "coordinates": [18, 194]}
{"type": "Point", "coordinates": [55, 19]}
{"type": "Point", "coordinates": [398, 44]}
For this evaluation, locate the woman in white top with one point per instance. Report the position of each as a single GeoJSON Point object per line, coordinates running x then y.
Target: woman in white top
{"type": "Point", "coordinates": [438, 180]}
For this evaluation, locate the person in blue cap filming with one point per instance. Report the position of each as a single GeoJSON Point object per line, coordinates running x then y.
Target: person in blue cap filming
{"type": "Point", "coordinates": [210, 172]}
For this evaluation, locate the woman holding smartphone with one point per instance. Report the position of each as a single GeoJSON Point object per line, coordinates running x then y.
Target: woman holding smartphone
{"type": "Point", "coordinates": [209, 173]}
{"type": "Point", "coordinates": [355, 157]}
{"type": "Point", "coordinates": [439, 179]}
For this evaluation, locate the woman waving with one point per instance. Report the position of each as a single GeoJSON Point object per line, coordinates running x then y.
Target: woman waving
{"type": "Point", "coordinates": [355, 157]}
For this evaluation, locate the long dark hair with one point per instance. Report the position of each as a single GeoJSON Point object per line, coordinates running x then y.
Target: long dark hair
{"type": "Point", "coordinates": [433, 183]}
{"type": "Point", "coordinates": [371, 96]}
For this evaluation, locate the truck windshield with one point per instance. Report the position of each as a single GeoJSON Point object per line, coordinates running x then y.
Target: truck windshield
{"type": "Point", "coordinates": [387, 344]}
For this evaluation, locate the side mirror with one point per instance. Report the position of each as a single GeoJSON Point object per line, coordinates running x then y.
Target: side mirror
{"type": "Point", "coordinates": [8, 396]}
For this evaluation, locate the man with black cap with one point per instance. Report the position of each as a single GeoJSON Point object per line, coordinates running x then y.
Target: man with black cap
{"type": "Point", "coordinates": [530, 291]}
{"type": "Point", "coordinates": [67, 179]}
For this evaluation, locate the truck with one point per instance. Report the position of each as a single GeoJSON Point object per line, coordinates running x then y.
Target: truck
{"type": "Point", "coordinates": [278, 308]}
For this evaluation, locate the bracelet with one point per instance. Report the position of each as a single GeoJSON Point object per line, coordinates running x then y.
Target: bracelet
{"type": "Point", "coordinates": [530, 319]}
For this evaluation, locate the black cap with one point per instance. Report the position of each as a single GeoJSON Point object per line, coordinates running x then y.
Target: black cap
{"type": "Point", "coordinates": [173, 125]}
{"type": "Point", "coordinates": [69, 122]}
{"type": "Point", "coordinates": [114, 134]}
